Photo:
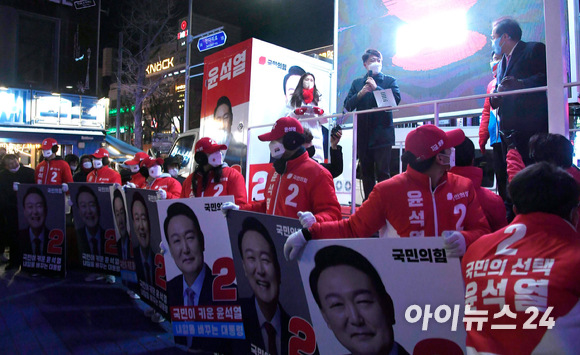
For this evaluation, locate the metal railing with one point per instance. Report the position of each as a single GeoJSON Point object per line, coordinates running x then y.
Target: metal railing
{"type": "Point", "coordinates": [435, 119]}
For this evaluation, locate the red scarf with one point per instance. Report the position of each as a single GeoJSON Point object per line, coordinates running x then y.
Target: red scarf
{"type": "Point", "coordinates": [308, 95]}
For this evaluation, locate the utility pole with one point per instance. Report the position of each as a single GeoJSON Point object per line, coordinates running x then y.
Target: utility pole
{"type": "Point", "coordinates": [119, 67]}
{"type": "Point", "coordinates": [187, 59]}
{"type": "Point", "coordinates": [98, 40]}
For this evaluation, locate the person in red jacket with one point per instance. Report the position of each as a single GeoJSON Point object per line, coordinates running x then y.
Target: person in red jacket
{"type": "Point", "coordinates": [102, 173]}
{"type": "Point", "coordinates": [53, 170]}
{"type": "Point", "coordinates": [212, 176]}
{"type": "Point", "coordinates": [168, 187]}
{"type": "Point", "coordinates": [491, 204]}
{"type": "Point", "coordinates": [134, 164]}
{"type": "Point", "coordinates": [297, 185]}
{"type": "Point", "coordinates": [424, 201]}
{"type": "Point", "coordinates": [531, 263]}
{"type": "Point", "coordinates": [548, 147]}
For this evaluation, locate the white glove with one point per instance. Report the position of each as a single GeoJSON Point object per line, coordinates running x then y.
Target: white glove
{"type": "Point", "coordinates": [15, 186]}
{"type": "Point", "coordinates": [294, 245]}
{"type": "Point", "coordinates": [227, 206]}
{"type": "Point", "coordinates": [454, 243]}
{"type": "Point", "coordinates": [161, 194]}
{"type": "Point", "coordinates": [64, 187]}
{"type": "Point", "coordinates": [162, 248]}
{"type": "Point", "coordinates": [116, 185]}
{"type": "Point", "coordinates": [307, 219]}
{"type": "Point", "coordinates": [131, 185]}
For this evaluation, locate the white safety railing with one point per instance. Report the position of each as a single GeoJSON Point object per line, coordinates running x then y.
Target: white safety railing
{"type": "Point", "coordinates": [434, 118]}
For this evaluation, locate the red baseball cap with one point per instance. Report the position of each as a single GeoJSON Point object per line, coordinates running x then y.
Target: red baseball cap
{"type": "Point", "coordinates": [208, 146]}
{"type": "Point", "coordinates": [280, 128]}
{"type": "Point", "coordinates": [100, 153]}
{"type": "Point", "coordinates": [149, 162]}
{"type": "Point", "coordinates": [428, 140]}
{"type": "Point", "coordinates": [48, 143]}
{"type": "Point", "coordinates": [137, 158]}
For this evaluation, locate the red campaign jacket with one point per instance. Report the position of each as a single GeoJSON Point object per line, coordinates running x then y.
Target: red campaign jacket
{"type": "Point", "coordinates": [532, 262]}
{"type": "Point", "coordinates": [305, 186]}
{"type": "Point", "coordinates": [165, 182]}
{"type": "Point", "coordinates": [406, 207]}
{"type": "Point", "coordinates": [515, 164]}
{"type": "Point", "coordinates": [231, 184]}
{"type": "Point", "coordinates": [104, 175]}
{"type": "Point", "coordinates": [137, 179]}
{"type": "Point", "coordinates": [53, 172]}
{"type": "Point", "coordinates": [491, 204]}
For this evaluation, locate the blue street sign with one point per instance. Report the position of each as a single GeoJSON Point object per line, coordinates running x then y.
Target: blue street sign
{"type": "Point", "coordinates": [212, 41]}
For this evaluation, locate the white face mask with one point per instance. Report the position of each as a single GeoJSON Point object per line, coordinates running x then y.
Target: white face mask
{"type": "Point", "coordinates": [451, 158]}
{"type": "Point", "coordinates": [97, 163]}
{"type": "Point", "coordinates": [155, 171]}
{"type": "Point", "coordinates": [47, 153]}
{"type": "Point", "coordinates": [134, 168]}
{"type": "Point", "coordinates": [73, 167]}
{"type": "Point", "coordinates": [87, 165]}
{"type": "Point", "coordinates": [375, 67]}
{"type": "Point", "coordinates": [173, 172]}
{"type": "Point", "coordinates": [276, 149]}
{"type": "Point", "coordinates": [215, 159]}
{"type": "Point", "coordinates": [15, 169]}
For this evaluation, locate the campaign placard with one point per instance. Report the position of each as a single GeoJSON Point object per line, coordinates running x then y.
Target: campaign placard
{"type": "Point", "coordinates": [95, 227]}
{"type": "Point", "coordinates": [148, 262]}
{"type": "Point", "coordinates": [378, 296]}
{"type": "Point", "coordinates": [273, 301]}
{"type": "Point", "coordinates": [42, 236]}
{"type": "Point", "coordinates": [201, 288]}
{"type": "Point", "coordinates": [123, 237]}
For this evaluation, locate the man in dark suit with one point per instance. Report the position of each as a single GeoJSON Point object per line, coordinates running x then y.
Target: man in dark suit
{"type": "Point", "coordinates": [90, 238]}
{"type": "Point", "coordinates": [354, 302]}
{"type": "Point", "coordinates": [34, 239]}
{"type": "Point", "coordinates": [265, 321]}
{"type": "Point", "coordinates": [120, 212]}
{"type": "Point", "coordinates": [194, 286]}
{"type": "Point", "coordinates": [144, 258]}
{"type": "Point", "coordinates": [376, 132]}
{"type": "Point", "coordinates": [523, 66]}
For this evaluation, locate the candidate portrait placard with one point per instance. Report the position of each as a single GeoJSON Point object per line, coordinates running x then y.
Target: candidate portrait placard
{"type": "Point", "coordinates": [123, 237]}
{"type": "Point", "coordinates": [200, 273]}
{"type": "Point", "coordinates": [270, 292]}
{"type": "Point", "coordinates": [145, 239]}
{"type": "Point", "coordinates": [373, 296]}
{"type": "Point", "coordinates": [42, 229]}
{"type": "Point", "coordinates": [95, 227]}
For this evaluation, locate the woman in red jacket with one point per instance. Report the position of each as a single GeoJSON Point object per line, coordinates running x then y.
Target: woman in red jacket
{"type": "Point", "coordinates": [168, 187]}
{"type": "Point", "coordinates": [211, 176]}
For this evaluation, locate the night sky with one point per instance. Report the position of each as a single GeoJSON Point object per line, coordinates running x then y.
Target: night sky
{"type": "Point", "coordinates": [298, 25]}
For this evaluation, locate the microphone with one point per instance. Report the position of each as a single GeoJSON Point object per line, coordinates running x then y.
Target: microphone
{"type": "Point", "coordinates": [370, 74]}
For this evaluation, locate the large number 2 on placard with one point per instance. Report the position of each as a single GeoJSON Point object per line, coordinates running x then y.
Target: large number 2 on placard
{"type": "Point", "coordinates": [110, 242]}
{"type": "Point", "coordinates": [219, 292]}
{"type": "Point", "coordinates": [303, 340]}
{"type": "Point", "coordinates": [461, 211]}
{"type": "Point", "coordinates": [519, 233]}
{"type": "Point", "coordinates": [56, 237]}
{"type": "Point", "coordinates": [295, 189]}
{"type": "Point", "coordinates": [160, 271]}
